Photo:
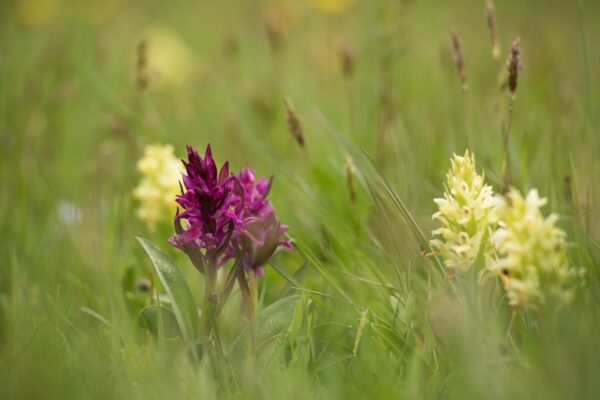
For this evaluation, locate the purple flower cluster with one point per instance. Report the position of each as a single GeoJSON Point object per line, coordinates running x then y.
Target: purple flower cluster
{"type": "Point", "coordinates": [227, 215]}
{"type": "Point", "coordinates": [260, 234]}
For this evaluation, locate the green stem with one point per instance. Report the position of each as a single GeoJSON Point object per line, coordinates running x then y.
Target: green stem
{"type": "Point", "coordinates": [506, 175]}
{"type": "Point", "coordinates": [588, 69]}
{"type": "Point", "coordinates": [211, 326]}
{"type": "Point", "coordinates": [210, 279]}
{"type": "Point", "coordinates": [249, 298]}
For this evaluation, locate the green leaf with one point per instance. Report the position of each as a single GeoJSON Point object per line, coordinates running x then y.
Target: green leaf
{"type": "Point", "coordinates": [150, 319]}
{"type": "Point", "coordinates": [128, 280]}
{"type": "Point", "coordinates": [277, 317]}
{"type": "Point", "coordinates": [179, 292]}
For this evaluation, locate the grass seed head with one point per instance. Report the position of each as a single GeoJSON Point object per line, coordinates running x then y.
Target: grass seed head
{"type": "Point", "coordinates": [514, 66]}
{"type": "Point", "coordinates": [294, 122]}
{"type": "Point", "coordinates": [349, 172]}
{"type": "Point", "coordinates": [491, 23]}
{"type": "Point", "coordinates": [142, 64]}
{"type": "Point", "coordinates": [459, 59]}
{"type": "Point", "coordinates": [347, 57]}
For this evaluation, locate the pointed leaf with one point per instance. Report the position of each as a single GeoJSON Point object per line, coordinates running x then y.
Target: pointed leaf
{"type": "Point", "coordinates": [277, 317]}
{"type": "Point", "coordinates": [179, 292]}
{"type": "Point", "coordinates": [149, 318]}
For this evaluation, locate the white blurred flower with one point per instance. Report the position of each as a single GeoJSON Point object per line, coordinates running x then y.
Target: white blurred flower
{"type": "Point", "coordinates": [69, 213]}
{"type": "Point", "coordinates": [531, 258]}
{"type": "Point", "coordinates": [468, 215]}
{"type": "Point", "coordinates": [159, 185]}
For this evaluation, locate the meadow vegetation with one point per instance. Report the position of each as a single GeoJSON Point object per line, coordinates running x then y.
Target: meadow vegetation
{"type": "Point", "coordinates": [363, 112]}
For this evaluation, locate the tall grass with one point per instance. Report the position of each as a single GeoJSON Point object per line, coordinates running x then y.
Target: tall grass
{"type": "Point", "coordinates": [358, 309]}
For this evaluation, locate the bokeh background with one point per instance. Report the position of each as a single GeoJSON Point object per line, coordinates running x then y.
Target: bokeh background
{"type": "Point", "coordinates": [85, 85]}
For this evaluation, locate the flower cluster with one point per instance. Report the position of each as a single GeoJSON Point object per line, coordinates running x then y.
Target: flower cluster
{"type": "Point", "coordinates": [467, 214]}
{"type": "Point", "coordinates": [227, 215]}
{"type": "Point", "coordinates": [261, 233]}
{"type": "Point", "coordinates": [531, 251]}
{"type": "Point", "coordinates": [519, 245]}
{"type": "Point", "coordinates": [160, 172]}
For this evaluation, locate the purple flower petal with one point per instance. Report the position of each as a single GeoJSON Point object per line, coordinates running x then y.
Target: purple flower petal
{"type": "Point", "coordinates": [228, 215]}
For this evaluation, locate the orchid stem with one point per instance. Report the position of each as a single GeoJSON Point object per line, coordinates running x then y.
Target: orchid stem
{"type": "Point", "coordinates": [248, 289]}
{"type": "Point", "coordinates": [211, 300]}
{"type": "Point", "coordinates": [254, 296]}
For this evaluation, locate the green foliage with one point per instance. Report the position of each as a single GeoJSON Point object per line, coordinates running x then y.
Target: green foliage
{"type": "Point", "coordinates": [358, 309]}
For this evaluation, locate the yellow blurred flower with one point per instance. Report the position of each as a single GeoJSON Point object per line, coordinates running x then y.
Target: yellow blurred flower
{"type": "Point", "coordinates": [159, 185]}
{"type": "Point", "coordinates": [35, 13]}
{"type": "Point", "coordinates": [532, 259]}
{"type": "Point", "coordinates": [332, 6]}
{"type": "Point", "coordinates": [96, 13]}
{"type": "Point", "coordinates": [467, 214]}
{"type": "Point", "coordinates": [166, 60]}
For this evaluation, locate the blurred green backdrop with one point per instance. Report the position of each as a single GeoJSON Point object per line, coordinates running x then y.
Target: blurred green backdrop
{"type": "Point", "coordinates": [84, 85]}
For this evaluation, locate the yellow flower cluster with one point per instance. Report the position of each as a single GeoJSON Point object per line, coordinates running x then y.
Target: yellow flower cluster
{"type": "Point", "coordinates": [508, 235]}
{"type": "Point", "coordinates": [467, 214]}
{"type": "Point", "coordinates": [156, 192]}
{"type": "Point", "coordinates": [531, 250]}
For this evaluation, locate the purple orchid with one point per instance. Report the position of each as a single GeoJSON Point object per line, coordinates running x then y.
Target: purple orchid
{"type": "Point", "coordinates": [261, 233]}
{"type": "Point", "coordinates": [227, 216]}
{"type": "Point", "coordinates": [209, 208]}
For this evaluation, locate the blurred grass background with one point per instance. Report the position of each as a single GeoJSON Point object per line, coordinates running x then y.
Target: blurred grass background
{"type": "Point", "coordinates": [376, 319]}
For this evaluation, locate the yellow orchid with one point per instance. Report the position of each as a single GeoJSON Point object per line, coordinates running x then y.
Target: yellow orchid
{"type": "Point", "coordinates": [156, 191]}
